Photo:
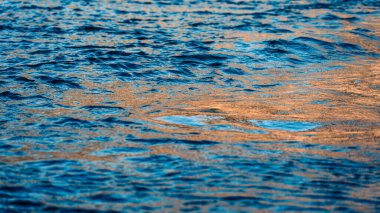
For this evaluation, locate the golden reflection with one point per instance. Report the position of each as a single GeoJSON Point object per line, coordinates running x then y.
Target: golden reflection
{"type": "Point", "coordinates": [348, 112]}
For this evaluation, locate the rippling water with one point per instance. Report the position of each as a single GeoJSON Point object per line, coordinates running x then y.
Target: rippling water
{"type": "Point", "coordinates": [190, 105]}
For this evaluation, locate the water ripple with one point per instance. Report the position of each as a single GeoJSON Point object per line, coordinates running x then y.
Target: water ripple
{"type": "Point", "coordinates": [193, 106]}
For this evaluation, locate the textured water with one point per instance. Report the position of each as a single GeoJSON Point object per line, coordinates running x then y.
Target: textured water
{"type": "Point", "coordinates": [190, 105]}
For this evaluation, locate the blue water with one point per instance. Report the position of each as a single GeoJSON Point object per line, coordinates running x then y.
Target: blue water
{"type": "Point", "coordinates": [189, 106]}
{"type": "Point", "coordinates": [293, 126]}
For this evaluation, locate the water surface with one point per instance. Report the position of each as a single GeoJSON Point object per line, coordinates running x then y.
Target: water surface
{"type": "Point", "coordinates": [190, 105]}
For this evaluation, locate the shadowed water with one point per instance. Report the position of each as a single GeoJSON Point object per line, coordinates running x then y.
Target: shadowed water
{"type": "Point", "coordinates": [190, 106]}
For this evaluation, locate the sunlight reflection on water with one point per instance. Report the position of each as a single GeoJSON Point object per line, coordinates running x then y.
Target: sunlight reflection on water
{"type": "Point", "coordinates": [220, 106]}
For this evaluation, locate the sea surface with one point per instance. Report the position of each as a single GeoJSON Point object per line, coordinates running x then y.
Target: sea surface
{"type": "Point", "coordinates": [189, 105]}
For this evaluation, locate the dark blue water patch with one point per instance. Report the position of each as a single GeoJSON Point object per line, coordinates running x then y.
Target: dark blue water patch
{"type": "Point", "coordinates": [318, 42]}
{"type": "Point", "coordinates": [365, 33]}
{"type": "Point", "coordinates": [350, 47]}
{"type": "Point", "coordinates": [49, 166]}
{"type": "Point", "coordinates": [212, 110]}
{"type": "Point", "coordinates": [106, 198]}
{"type": "Point", "coordinates": [107, 110]}
{"type": "Point", "coordinates": [234, 71]}
{"type": "Point", "coordinates": [201, 57]}
{"type": "Point", "coordinates": [6, 147]}
{"type": "Point", "coordinates": [60, 82]}
{"type": "Point", "coordinates": [117, 121]}
{"type": "Point", "coordinates": [25, 204]}
{"type": "Point", "coordinates": [7, 95]}
{"type": "Point", "coordinates": [292, 126]}
{"type": "Point", "coordinates": [36, 7]}
{"type": "Point", "coordinates": [183, 72]}
{"type": "Point", "coordinates": [300, 209]}
{"type": "Point", "coordinates": [263, 86]}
